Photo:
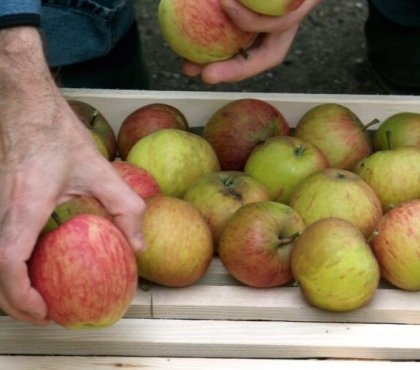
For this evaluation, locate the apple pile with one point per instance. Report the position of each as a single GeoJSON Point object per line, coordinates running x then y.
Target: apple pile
{"type": "Point", "coordinates": [330, 205]}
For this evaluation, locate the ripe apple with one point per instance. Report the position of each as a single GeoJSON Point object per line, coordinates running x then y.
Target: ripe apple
{"type": "Point", "coordinates": [334, 265]}
{"type": "Point", "coordinates": [337, 193]}
{"type": "Point", "coordinates": [80, 205]}
{"type": "Point", "coordinates": [282, 162]}
{"type": "Point", "coordinates": [219, 194]}
{"type": "Point", "coordinates": [140, 180]}
{"type": "Point", "coordinates": [338, 132]}
{"type": "Point", "coordinates": [396, 245]}
{"type": "Point", "coordinates": [272, 7]}
{"type": "Point", "coordinates": [256, 242]}
{"type": "Point", "coordinates": [95, 121]}
{"type": "Point", "coordinates": [400, 129]}
{"type": "Point", "coordinates": [175, 158]}
{"type": "Point", "coordinates": [86, 272]}
{"type": "Point", "coordinates": [145, 120]}
{"type": "Point", "coordinates": [201, 31]}
{"type": "Point", "coordinates": [393, 174]}
{"type": "Point", "coordinates": [179, 242]}
{"type": "Point", "coordinates": [238, 126]}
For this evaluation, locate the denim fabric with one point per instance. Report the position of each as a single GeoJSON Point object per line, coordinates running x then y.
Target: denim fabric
{"type": "Point", "coordinates": [404, 12]}
{"type": "Point", "coordinates": [8, 7]}
{"type": "Point", "coordinates": [78, 30]}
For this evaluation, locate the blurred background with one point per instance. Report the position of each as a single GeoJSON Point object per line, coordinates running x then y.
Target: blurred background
{"type": "Point", "coordinates": [327, 57]}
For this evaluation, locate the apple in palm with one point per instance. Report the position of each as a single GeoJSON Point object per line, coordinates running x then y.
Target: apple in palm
{"type": "Point", "coordinates": [95, 121]}
{"type": "Point", "coordinates": [201, 31]}
{"type": "Point", "coordinates": [396, 245]}
{"type": "Point", "coordinates": [144, 121]}
{"type": "Point", "coordinates": [272, 7]}
{"type": "Point", "coordinates": [140, 180]}
{"type": "Point", "coordinates": [175, 158]}
{"type": "Point", "coordinates": [238, 126]}
{"type": "Point", "coordinates": [337, 132]}
{"type": "Point", "coordinates": [179, 242]}
{"type": "Point", "coordinates": [219, 194]}
{"type": "Point", "coordinates": [400, 129]}
{"type": "Point", "coordinates": [393, 174]}
{"type": "Point", "coordinates": [337, 193]}
{"type": "Point", "coordinates": [256, 242]}
{"type": "Point", "coordinates": [86, 272]}
{"type": "Point", "coordinates": [282, 162]}
{"type": "Point", "coordinates": [334, 265]}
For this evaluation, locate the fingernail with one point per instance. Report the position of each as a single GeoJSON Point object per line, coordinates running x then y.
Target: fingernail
{"type": "Point", "coordinates": [138, 243]}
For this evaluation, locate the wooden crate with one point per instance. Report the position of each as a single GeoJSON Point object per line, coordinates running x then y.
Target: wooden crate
{"type": "Point", "coordinates": [218, 323]}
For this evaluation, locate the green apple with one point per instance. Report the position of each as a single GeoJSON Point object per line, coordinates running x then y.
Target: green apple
{"type": "Point", "coordinates": [400, 129]}
{"type": "Point", "coordinates": [338, 132]}
{"type": "Point", "coordinates": [179, 242]}
{"type": "Point", "coordinates": [219, 194]}
{"type": "Point", "coordinates": [272, 7]}
{"type": "Point", "coordinates": [334, 265]}
{"type": "Point", "coordinates": [396, 245]}
{"type": "Point", "coordinates": [337, 193]}
{"type": "Point", "coordinates": [100, 145]}
{"type": "Point", "coordinates": [201, 31]}
{"type": "Point", "coordinates": [175, 158]}
{"type": "Point", "coordinates": [394, 175]}
{"type": "Point", "coordinates": [282, 162]}
{"type": "Point", "coordinates": [256, 242]}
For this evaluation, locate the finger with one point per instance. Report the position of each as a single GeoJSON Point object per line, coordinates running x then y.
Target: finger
{"type": "Point", "coordinates": [270, 53]}
{"type": "Point", "coordinates": [250, 21]}
{"type": "Point", "coordinates": [124, 205]}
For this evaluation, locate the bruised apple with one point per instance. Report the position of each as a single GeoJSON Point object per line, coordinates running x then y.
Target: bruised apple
{"type": "Point", "coordinates": [237, 127]}
{"type": "Point", "coordinates": [179, 242]}
{"type": "Point", "coordinates": [256, 242]}
{"type": "Point", "coordinates": [201, 31]}
{"type": "Point", "coordinates": [86, 272]}
{"type": "Point", "coordinates": [334, 266]}
{"type": "Point", "coordinates": [144, 121]}
{"type": "Point", "coordinates": [219, 194]}
{"type": "Point", "coordinates": [140, 180]}
{"type": "Point", "coordinates": [272, 7]}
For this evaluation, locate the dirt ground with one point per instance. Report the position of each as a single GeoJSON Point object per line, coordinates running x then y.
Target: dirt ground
{"type": "Point", "coordinates": [328, 55]}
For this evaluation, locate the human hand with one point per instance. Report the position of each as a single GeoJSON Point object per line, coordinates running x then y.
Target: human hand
{"type": "Point", "coordinates": [47, 157]}
{"type": "Point", "coordinates": [276, 35]}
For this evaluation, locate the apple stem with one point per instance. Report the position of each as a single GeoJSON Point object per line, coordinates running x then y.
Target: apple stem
{"type": "Point", "coordinates": [244, 53]}
{"type": "Point", "coordinates": [372, 236]}
{"type": "Point", "coordinates": [289, 239]}
{"type": "Point", "coordinates": [228, 182]}
{"type": "Point", "coordinates": [94, 115]}
{"type": "Point", "coordinates": [373, 122]}
{"type": "Point", "coordinates": [56, 218]}
{"type": "Point", "coordinates": [299, 150]}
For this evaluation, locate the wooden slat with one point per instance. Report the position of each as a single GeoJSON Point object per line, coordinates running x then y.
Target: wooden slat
{"type": "Point", "coordinates": [155, 363]}
{"type": "Point", "coordinates": [217, 339]}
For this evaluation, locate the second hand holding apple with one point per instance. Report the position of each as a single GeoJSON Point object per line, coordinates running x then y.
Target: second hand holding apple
{"type": "Point", "coordinates": [46, 157]}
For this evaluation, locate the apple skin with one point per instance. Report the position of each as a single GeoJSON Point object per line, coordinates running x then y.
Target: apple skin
{"type": "Point", "coordinates": [96, 122]}
{"type": "Point", "coordinates": [179, 242]}
{"type": "Point", "coordinates": [282, 162]}
{"type": "Point", "coordinates": [256, 242]}
{"type": "Point", "coordinates": [140, 180]}
{"type": "Point", "coordinates": [337, 193]}
{"type": "Point", "coordinates": [80, 205]}
{"type": "Point", "coordinates": [404, 128]}
{"type": "Point", "coordinates": [219, 194]}
{"type": "Point", "coordinates": [237, 127]}
{"type": "Point", "coordinates": [175, 158]}
{"type": "Point", "coordinates": [86, 272]}
{"type": "Point", "coordinates": [145, 120]}
{"type": "Point", "coordinates": [272, 7]}
{"type": "Point", "coordinates": [393, 174]}
{"type": "Point", "coordinates": [338, 132]}
{"type": "Point", "coordinates": [334, 265]}
{"type": "Point", "coordinates": [396, 245]}
{"type": "Point", "coordinates": [201, 31]}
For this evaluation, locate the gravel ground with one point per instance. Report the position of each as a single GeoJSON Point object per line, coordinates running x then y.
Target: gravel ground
{"type": "Point", "coordinates": [328, 55]}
